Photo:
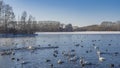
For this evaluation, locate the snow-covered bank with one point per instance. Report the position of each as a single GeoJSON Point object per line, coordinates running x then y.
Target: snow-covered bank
{"type": "Point", "coordinates": [85, 32]}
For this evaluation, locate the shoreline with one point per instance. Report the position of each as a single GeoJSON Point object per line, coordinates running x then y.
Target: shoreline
{"type": "Point", "coordinates": [53, 33]}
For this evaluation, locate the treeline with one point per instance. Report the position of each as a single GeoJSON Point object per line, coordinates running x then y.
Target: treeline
{"type": "Point", "coordinates": [104, 26]}
{"type": "Point", "coordinates": [53, 26]}
{"type": "Point", "coordinates": [26, 24]}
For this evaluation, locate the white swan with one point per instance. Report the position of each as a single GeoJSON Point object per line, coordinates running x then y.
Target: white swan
{"type": "Point", "coordinates": [101, 59]}
{"type": "Point", "coordinates": [29, 47]}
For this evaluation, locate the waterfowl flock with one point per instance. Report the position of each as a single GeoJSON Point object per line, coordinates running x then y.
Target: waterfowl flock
{"type": "Point", "coordinates": [80, 52]}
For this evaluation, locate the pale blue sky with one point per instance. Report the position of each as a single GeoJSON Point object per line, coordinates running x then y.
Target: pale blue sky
{"type": "Point", "coordinates": [77, 12]}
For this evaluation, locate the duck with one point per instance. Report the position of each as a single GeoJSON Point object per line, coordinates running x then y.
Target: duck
{"type": "Point", "coordinates": [55, 55]}
{"type": "Point", "coordinates": [95, 47]}
{"type": "Point", "coordinates": [49, 44]}
{"type": "Point", "coordinates": [24, 62]}
{"type": "Point", "coordinates": [77, 44]}
{"type": "Point", "coordinates": [75, 58]}
{"type": "Point", "coordinates": [68, 54]}
{"type": "Point", "coordinates": [60, 61]}
{"type": "Point", "coordinates": [56, 51]}
{"type": "Point", "coordinates": [51, 65]}
{"type": "Point", "coordinates": [47, 60]}
{"type": "Point", "coordinates": [83, 62]}
{"type": "Point", "coordinates": [112, 65]}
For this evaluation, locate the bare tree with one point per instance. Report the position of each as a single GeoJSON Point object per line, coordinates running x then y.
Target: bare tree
{"type": "Point", "coordinates": [23, 22]}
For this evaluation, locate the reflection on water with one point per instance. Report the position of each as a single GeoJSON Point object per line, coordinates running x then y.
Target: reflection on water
{"type": "Point", "coordinates": [71, 48]}
{"type": "Point", "coordinates": [17, 42]}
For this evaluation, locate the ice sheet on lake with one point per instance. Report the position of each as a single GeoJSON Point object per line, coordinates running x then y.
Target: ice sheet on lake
{"type": "Point", "coordinates": [85, 32]}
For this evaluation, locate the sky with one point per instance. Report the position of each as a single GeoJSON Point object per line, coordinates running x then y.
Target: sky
{"type": "Point", "coordinates": [76, 12]}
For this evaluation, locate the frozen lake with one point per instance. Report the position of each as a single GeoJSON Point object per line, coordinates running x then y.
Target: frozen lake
{"type": "Point", "coordinates": [71, 48]}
